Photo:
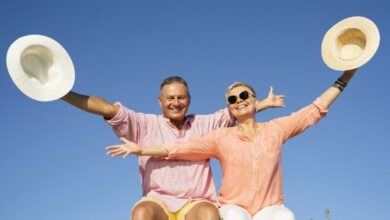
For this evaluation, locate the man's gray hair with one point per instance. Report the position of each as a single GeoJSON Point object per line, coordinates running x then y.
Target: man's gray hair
{"type": "Point", "coordinates": [173, 79]}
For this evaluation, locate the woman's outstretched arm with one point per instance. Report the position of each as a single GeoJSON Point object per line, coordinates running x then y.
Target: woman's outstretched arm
{"type": "Point", "coordinates": [132, 148]}
{"type": "Point", "coordinates": [330, 95]}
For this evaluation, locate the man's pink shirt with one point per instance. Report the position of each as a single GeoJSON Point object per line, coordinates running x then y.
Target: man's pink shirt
{"type": "Point", "coordinates": [251, 167]}
{"type": "Point", "coordinates": [172, 182]}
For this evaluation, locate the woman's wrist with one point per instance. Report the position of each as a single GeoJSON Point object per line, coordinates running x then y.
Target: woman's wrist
{"type": "Point", "coordinates": [340, 84]}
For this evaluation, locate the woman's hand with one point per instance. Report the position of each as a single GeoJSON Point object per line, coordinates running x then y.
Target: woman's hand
{"type": "Point", "coordinates": [123, 149]}
{"type": "Point", "coordinates": [274, 101]}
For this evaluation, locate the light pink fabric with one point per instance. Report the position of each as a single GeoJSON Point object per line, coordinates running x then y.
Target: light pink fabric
{"type": "Point", "coordinates": [252, 175]}
{"type": "Point", "coordinates": [172, 182]}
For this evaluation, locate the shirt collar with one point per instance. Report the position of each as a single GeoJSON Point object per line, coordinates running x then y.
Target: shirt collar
{"type": "Point", "coordinates": [188, 121]}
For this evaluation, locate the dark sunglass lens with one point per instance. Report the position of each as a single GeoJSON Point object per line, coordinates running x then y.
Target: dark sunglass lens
{"type": "Point", "coordinates": [244, 95]}
{"type": "Point", "coordinates": [232, 99]}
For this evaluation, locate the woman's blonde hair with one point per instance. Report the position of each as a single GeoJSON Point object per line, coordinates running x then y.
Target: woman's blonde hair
{"type": "Point", "coordinates": [237, 84]}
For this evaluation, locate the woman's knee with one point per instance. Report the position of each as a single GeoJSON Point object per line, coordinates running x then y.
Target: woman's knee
{"type": "Point", "coordinates": [285, 214]}
{"type": "Point", "coordinates": [275, 212]}
{"type": "Point", "coordinates": [234, 212]}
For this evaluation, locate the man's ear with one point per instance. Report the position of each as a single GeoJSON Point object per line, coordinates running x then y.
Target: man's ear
{"type": "Point", "coordinates": [159, 101]}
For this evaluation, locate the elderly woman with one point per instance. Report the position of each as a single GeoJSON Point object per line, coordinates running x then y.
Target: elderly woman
{"type": "Point", "coordinates": [249, 153]}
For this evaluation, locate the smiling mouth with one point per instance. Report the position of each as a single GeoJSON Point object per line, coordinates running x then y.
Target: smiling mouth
{"type": "Point", "coordinates": [241, 107]}
{"type": "Point", "coordinates": [176, 110]}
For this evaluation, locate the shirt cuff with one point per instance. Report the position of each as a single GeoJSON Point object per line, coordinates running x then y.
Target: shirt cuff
{"type": "Point", "coordinates": [118, 118]}
{"type": "Point", "coordinates": [172, 149]}
{"type": "Point", "coordinates": [319, 104]}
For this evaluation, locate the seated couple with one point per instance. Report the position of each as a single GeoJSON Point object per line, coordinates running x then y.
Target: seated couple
{"type": "Point", "coordinates": [171, 189]}
{"type": "Point", "coordinates": [174, 152]}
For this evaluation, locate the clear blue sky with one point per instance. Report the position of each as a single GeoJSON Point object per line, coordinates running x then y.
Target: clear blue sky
{"type": "Point", "coordinates": [53, 163]}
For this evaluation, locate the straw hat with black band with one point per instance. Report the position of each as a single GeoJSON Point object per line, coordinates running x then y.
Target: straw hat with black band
{"type": "Point", "coordinates": [350, 43]}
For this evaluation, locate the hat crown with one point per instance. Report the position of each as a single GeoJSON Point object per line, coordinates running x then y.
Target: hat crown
{"type": "Point", "coordinates": [36, 62]}
{"type": "Point", "coordinates": [350, 44]}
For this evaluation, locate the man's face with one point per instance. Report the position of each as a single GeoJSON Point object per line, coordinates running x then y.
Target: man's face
{"type": "Point", "coordinates": [174, 101]}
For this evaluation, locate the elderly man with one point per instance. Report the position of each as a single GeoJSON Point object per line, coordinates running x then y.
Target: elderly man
{"type": "Point", "coordinates": [172, 189]}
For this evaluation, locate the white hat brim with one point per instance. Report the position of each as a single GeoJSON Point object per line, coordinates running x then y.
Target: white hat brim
{"type": "Point", "coordinates": [61, 75]}
{"type": "Point", "coordinates": [328, 47]}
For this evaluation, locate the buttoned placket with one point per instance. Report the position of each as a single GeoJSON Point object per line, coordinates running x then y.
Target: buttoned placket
{"type": "Point", "coordinates": [258, 150]}
{"type": "Point", "coordinates": [255, 160]}
{"type": "Point", "coordinates": [186, 127]}
{"type": "Point", "coordinates": [180, 137]}
{"type": "Point", "coordinates": [255, 152]}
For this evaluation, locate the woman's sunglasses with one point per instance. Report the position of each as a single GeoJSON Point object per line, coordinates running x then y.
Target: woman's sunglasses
{"type": "Point", "coordinates": [243, 96]}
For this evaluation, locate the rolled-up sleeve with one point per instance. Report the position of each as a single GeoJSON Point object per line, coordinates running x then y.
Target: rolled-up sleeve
{"type": "Point", "coordinates": [129, 124]}
{"type": "Point", "coordinates": [222, 118]}
{"type": "Point", "coordinates": [201, 148]}
{"type": "Point", "coordinates": [219, 119]}
{"type": "Point", "coordinates": [299, 121]}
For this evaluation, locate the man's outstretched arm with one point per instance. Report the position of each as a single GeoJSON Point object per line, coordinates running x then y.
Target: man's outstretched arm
{"type": "Point", "coordinates": [92, 104]}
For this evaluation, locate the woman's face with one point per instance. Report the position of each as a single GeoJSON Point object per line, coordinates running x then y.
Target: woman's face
{"type": "Point", "coordinates": [241, 103]}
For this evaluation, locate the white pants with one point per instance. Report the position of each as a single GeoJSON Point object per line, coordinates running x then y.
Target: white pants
{"type": "Point", "coordinates": [275, 212]}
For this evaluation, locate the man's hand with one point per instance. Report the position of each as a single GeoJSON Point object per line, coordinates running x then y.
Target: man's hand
{"type": "Point", "coordinates": [123, 149]}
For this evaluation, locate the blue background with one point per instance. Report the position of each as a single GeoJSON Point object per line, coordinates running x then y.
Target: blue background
{"type": "Point", "coordinates": [52, 160]}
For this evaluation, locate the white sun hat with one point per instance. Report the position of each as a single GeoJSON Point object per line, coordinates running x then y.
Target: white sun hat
{"type": "Point", "coordinates": [350, 43]}
{"type": "Point", "coordinates": [40, 67]}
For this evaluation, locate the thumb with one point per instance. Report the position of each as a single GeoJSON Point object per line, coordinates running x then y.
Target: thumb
{"type": "Point", "coordinates": [271, 90]}
{"type": "Point", "coordinates": [124, 140]}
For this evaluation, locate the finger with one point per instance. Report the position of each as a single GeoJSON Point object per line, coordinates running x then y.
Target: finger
{"type": "Point", "coordinates": [117, 153]}
{"type": "Point", "coordinates": [126, 154]}
{"type": "Point", "coordinates": [112, 152]}
{"type": "Point", "coordinates": [109, 151]}
{"type": "Point", "coordinates": [117, 150]}
{"type": "Point", "coordinates": [113, 147]}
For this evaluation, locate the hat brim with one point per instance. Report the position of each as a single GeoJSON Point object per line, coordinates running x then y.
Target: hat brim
{"type": "Point", "coordinates": [61, 74]}
{"type": "Point", "coordinates": [329, 50]}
